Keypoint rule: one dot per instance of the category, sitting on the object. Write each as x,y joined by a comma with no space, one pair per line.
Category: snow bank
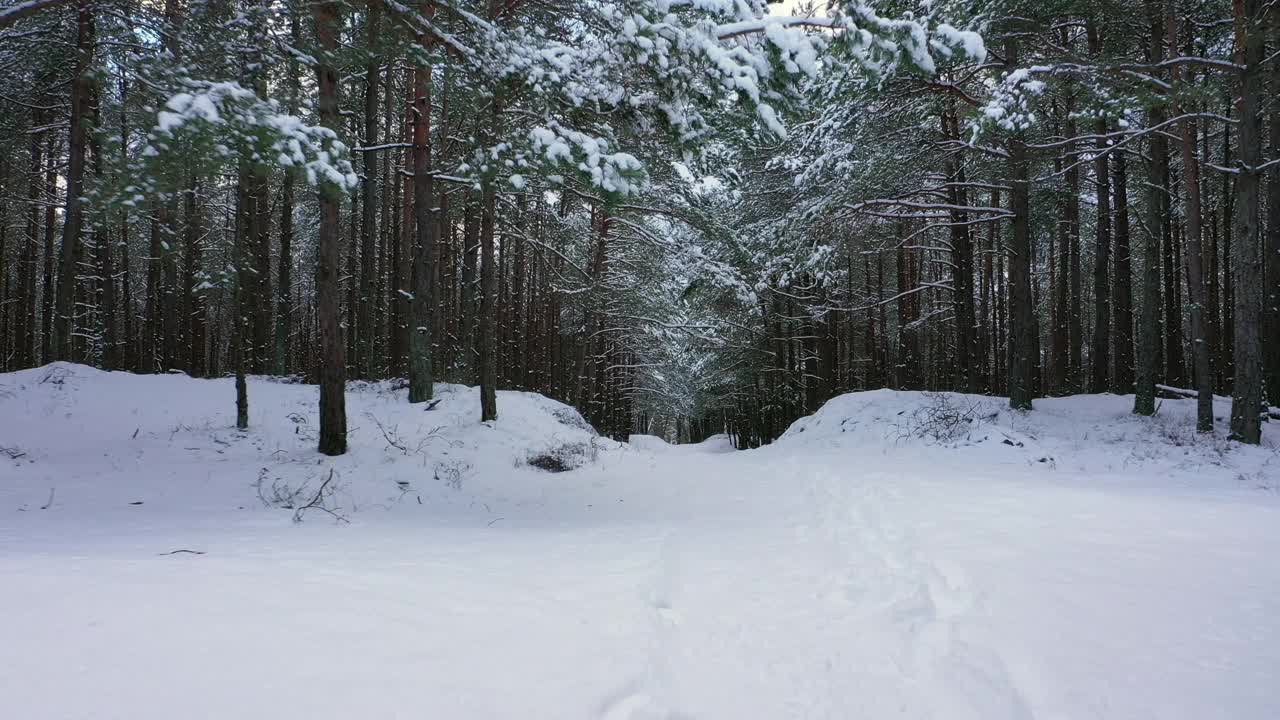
651,443
654,444
113,437
1087,433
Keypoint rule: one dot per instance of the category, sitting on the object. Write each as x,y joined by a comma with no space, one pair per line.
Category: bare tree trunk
240,304
1122,377
6,326
151,328
1057,379
966,373
260,238
1023,333
64,321
420,336
26,330
1075,314
283,345
1100,347
333,363
1271,294
105,262
1246,392
1148,349
1194,253
488,292
518,304
1171,328
1226,348
403,254
368,203
193,310
467,291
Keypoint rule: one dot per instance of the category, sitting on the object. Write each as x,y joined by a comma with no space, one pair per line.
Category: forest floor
894,555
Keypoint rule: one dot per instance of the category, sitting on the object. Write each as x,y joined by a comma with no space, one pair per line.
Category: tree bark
1194,253
420,336
1122,376
26,330
64,311
966,371
368,203
1148,349
50,277
1271,292
1100,347
194,310
333,362
283,344
1246,392
1023,340
488,292
1075,314
240,298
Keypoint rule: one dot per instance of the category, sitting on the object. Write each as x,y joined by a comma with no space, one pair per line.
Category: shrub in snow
301,497
944,418
564,457
571,417
452,472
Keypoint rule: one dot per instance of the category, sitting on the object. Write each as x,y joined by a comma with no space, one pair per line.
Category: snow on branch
11,15
224,121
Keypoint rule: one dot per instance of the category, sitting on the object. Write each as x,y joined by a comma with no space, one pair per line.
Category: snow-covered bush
564,457
944,418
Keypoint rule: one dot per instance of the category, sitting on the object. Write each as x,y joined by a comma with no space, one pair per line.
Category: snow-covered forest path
811,580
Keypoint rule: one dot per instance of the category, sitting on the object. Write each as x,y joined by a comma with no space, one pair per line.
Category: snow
1107,566
226,109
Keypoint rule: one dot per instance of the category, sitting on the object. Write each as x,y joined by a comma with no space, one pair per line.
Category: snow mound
907,418
1087,433
653,444
650,443
112,438
715,444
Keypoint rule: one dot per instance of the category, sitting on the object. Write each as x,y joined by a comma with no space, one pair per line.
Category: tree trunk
966,372
282,345
151,305
333,362
194,311
1100,347
64,311
1148,349
1226,352
1075,322
240,298
467,293
260,237
420,336
1246,392
1122,377
1194,253
518,304
1271,267
368,204
488,292
1058,377
1174,361
1023,341
26,330
50,278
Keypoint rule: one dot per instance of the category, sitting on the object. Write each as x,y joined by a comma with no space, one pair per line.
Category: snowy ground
1074,563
